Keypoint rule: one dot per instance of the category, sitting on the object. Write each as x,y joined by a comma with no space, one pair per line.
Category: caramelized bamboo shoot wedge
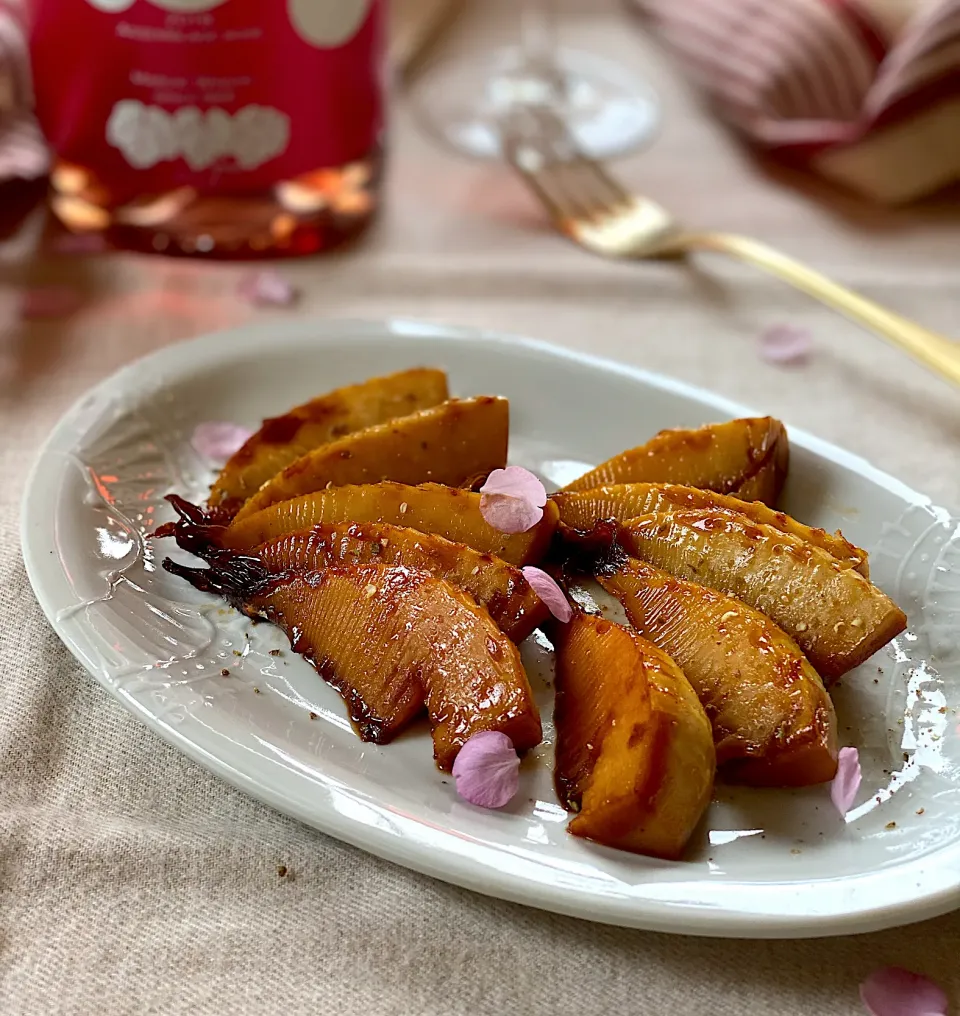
621,501
747,458
430,508
773,722
837,617
281,440
494,584
393,641
635,755
450,443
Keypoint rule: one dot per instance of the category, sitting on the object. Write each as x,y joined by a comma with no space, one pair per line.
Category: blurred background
250,130
195,165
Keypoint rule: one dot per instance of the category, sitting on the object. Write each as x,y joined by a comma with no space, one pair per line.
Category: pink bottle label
221,95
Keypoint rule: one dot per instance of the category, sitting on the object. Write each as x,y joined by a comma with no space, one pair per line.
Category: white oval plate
766,863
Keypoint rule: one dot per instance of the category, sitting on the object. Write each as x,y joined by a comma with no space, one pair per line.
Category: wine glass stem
540,79
538,29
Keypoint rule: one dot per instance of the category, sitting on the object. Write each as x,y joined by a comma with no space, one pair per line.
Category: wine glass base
609,110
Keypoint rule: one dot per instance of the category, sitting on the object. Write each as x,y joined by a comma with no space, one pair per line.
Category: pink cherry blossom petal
267,288
487,770
512,499
893,991
218,441
785,344
509,514
548,591
48,302
843,790
518,482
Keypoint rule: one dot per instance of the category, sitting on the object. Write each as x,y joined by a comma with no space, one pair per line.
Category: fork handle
934,351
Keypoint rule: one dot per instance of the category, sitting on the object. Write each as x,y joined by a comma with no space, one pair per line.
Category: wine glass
608,109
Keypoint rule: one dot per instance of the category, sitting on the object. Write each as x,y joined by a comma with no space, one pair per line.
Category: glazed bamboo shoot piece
773,722
393,642
450,512
450,444
837,617
583,508
282,439
635,757
747,458
500,587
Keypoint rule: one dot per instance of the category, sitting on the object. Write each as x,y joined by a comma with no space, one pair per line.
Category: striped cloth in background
865,92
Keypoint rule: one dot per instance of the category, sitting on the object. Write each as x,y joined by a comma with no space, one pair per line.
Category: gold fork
593,209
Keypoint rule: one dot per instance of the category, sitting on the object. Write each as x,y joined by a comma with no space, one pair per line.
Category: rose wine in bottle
212,128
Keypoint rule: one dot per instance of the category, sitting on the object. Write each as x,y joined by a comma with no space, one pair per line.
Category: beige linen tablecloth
132,881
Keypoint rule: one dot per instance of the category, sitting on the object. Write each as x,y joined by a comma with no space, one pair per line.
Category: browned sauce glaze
281,429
